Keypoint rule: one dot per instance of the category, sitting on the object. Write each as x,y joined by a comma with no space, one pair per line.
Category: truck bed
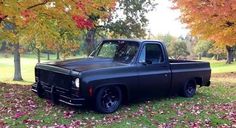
183,70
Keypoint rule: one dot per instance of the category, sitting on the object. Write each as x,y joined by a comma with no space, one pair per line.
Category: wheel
108,99
39,91
189,89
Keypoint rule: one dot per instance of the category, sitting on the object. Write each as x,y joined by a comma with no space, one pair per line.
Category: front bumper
60,96
208,83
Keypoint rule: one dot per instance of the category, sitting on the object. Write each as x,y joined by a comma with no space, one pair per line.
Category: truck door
154,70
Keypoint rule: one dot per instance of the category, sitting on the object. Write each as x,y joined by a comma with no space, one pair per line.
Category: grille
56,79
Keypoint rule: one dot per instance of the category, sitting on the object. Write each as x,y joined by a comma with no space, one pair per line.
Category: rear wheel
189,89
108,99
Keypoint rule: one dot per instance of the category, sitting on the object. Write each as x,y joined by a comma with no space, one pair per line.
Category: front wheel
108,99
189,89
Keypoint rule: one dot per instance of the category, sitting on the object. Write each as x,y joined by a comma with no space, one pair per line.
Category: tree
128,20
167,38
217,50
202,47
177,49
1,42
212,20
15,15
59,38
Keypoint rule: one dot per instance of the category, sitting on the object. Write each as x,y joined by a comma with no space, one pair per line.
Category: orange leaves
27,15
100,9
80,5
26,11
82,22
53,24
210,19
2,16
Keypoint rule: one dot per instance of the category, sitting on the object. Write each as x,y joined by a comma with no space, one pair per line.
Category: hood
85,64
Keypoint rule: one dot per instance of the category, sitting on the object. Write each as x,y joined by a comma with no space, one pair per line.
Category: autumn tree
127,20
218,51
15,15
211,19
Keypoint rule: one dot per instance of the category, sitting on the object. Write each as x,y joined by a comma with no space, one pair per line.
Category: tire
189,89
108,99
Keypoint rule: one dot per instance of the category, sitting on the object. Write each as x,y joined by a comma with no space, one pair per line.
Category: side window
151,54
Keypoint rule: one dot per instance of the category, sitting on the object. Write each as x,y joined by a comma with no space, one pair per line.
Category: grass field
213,106
29,61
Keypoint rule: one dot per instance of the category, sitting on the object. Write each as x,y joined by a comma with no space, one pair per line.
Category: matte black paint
136,79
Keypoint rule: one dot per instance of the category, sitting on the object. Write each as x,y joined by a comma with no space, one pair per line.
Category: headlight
77,82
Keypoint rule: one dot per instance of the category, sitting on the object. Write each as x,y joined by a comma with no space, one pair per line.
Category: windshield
120,51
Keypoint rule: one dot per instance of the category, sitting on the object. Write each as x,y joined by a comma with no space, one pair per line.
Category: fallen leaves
212,107
31,122
2,123
19,114
68,114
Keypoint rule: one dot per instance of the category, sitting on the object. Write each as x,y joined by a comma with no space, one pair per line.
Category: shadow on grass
200,97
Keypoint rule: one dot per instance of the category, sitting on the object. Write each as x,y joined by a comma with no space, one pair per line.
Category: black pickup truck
118,71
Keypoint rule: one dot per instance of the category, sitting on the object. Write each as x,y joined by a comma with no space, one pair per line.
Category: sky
164,20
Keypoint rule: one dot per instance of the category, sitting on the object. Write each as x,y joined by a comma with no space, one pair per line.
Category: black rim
110,98
191,88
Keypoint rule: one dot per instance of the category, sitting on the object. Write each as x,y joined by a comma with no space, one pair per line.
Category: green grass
210,107
222,67
28,62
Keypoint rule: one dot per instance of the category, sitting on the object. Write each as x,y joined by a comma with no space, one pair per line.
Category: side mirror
148,61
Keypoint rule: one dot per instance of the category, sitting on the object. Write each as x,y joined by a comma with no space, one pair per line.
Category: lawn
221,67
28,62
213,106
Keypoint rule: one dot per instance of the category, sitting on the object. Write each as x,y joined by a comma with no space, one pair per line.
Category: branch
39,4
2,18
30,7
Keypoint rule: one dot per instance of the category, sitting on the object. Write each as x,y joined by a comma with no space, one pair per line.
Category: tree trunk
38,55
230,52
48,55
3,46
199,56
217,57
90,41
233,55
58,55
17,66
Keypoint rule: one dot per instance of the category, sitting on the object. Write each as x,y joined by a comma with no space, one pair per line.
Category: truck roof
135,40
